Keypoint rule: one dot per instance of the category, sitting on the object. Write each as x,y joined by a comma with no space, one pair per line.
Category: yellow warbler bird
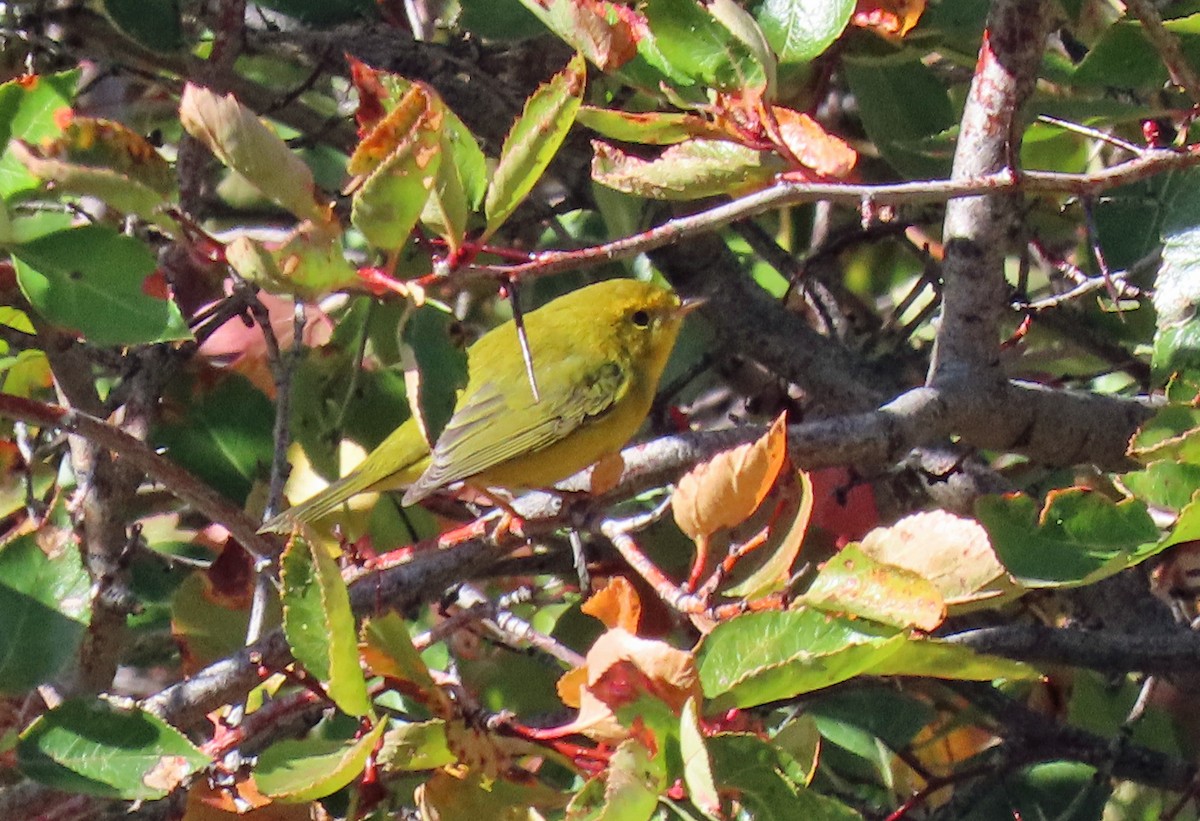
598,353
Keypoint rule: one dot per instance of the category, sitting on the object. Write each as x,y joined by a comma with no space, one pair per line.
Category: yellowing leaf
242,142
727,489
620,669
687,171
533,141
854,583
952,552
401,159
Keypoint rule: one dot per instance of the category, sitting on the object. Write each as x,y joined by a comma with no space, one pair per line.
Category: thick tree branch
1108,651
141,456
978,230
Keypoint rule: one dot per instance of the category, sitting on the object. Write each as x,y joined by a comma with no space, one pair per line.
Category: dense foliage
911,529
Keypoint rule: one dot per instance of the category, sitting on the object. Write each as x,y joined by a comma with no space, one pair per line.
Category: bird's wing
474,439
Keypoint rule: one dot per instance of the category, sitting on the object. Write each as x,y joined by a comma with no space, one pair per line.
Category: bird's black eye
640,318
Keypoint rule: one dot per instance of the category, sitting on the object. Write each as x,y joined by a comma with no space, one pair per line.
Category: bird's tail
395,464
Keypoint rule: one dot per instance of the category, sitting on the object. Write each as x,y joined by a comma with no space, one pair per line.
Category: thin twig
785,193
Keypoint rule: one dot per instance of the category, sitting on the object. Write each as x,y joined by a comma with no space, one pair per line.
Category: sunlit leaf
1080,536
533,141
692,169
45,609
853,583
319,624
29,111
98,282
400,159
96,748
307,769
952,552
723,491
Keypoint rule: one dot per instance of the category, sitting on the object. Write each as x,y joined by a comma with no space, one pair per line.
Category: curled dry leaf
952,552
622,668
616,604
724,491
812,145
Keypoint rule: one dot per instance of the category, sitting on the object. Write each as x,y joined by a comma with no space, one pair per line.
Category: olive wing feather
474,439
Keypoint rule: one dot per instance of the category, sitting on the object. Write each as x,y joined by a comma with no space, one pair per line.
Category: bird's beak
690,304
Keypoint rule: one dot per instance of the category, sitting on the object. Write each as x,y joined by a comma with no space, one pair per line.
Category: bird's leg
510,521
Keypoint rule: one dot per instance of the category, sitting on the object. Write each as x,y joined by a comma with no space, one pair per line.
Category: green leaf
389,651
690,170
533,140
96,748
853,583
769,784
1168,434
884,713
310,264
1124,59
595,30
319,624
114,188
748,33
633,782
220,432
300,770
446,210
209,629
435,368
44,610
1080,537
410,746
929,658
697,767
1059,790
1166,484
401,158
241,141
801,30
100,283
154,24
695,43
760,657
1187,526
902,105
27,109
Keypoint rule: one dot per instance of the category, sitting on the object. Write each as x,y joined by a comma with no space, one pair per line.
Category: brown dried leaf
812,145
724,491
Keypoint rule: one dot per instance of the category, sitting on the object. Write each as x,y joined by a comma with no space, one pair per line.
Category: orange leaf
570,686
812,145
389,132
727,489
616,604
